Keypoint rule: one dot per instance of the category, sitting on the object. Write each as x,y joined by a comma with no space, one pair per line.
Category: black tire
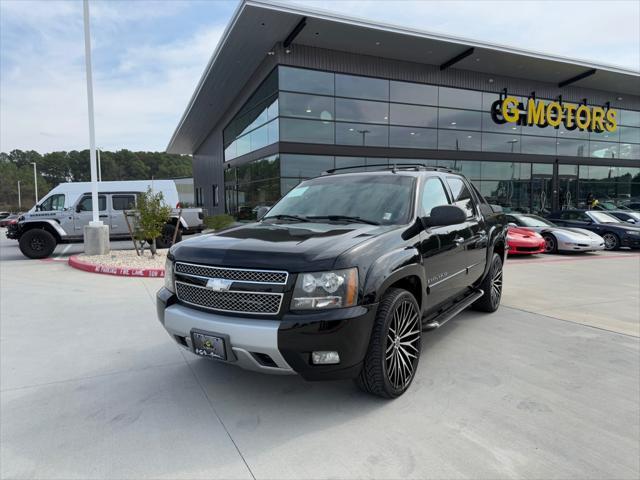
611,241
386,374
37,243
550,243
492,287
166,239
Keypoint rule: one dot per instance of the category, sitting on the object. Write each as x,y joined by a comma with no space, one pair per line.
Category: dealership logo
508,109
219,284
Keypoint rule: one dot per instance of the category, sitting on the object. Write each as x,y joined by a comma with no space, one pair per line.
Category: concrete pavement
92,387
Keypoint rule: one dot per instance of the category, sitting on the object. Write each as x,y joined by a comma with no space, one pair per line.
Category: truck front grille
273,277
257,303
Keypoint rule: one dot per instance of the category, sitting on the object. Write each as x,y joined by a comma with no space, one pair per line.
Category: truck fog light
325,358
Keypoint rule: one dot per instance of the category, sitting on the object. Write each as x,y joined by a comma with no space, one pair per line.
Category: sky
148,55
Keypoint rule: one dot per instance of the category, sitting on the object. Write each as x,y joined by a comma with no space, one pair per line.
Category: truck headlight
168,276
334,289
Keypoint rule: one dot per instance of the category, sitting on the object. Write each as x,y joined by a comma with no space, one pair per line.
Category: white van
61,215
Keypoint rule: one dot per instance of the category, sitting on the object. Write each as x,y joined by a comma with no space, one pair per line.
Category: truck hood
297,247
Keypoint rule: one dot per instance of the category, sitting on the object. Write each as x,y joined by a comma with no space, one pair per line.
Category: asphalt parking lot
547,387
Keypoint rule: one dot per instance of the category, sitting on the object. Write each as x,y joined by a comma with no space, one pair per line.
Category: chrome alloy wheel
403,345
496,283
610,241
549,244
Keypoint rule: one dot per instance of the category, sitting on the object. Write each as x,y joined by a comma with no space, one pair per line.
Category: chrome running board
452,311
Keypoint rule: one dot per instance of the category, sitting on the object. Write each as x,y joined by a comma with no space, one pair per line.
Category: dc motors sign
554,114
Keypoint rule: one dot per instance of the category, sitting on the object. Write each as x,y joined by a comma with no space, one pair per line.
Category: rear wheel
491,286
166,239
394,349
550,243
37,243
611,241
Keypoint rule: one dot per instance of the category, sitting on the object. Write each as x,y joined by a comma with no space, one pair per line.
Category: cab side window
461,195
54,202
86,205
123,202
433,195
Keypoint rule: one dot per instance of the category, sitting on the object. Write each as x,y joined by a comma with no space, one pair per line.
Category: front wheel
550,243
492,287
394,349
611,241
37,243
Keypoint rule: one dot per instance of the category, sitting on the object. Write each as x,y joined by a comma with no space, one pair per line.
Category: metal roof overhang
258,25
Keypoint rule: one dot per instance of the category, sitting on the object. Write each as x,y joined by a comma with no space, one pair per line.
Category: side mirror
38,207
444,215
78,208
631,220
496,208
262,211
511,224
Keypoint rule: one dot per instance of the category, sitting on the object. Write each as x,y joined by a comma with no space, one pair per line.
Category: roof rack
398,166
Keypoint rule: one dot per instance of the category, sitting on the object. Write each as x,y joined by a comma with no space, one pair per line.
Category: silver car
558,239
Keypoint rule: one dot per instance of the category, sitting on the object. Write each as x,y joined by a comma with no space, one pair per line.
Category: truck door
83,212
441,254
474,238
119,203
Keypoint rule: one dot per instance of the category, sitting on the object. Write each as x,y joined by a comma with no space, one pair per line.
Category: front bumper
632,241
581,246
278,346
13,231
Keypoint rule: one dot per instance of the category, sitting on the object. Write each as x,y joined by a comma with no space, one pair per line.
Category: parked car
4,215
633,206
614,232
9,220
334,282
524,242
628,216
62,214
609,206
558,239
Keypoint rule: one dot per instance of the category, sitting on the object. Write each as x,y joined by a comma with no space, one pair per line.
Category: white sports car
558,238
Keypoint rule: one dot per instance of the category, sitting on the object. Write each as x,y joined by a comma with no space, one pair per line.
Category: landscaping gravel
127,258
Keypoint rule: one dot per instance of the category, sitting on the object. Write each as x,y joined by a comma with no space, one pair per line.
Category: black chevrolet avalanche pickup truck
340,278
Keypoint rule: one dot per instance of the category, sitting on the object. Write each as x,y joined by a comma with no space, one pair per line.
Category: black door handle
104,216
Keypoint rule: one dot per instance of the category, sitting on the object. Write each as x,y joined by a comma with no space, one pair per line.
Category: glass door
541,188
567,187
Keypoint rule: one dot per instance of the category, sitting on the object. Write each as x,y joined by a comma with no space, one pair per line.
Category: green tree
153,215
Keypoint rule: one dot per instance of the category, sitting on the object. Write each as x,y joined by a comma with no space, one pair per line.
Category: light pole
19,197
96,234
99,167
35,179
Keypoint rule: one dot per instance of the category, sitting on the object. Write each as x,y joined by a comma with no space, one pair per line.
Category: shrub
153,214
218,222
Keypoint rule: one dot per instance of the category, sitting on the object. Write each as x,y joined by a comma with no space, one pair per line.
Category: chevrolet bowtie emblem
219,284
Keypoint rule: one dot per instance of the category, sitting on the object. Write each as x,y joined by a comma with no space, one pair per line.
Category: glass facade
516,186
316,107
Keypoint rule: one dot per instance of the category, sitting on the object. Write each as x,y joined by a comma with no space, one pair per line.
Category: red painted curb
75,262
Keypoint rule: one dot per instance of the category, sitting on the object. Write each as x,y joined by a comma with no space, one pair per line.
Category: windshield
602,217
380,199
533,221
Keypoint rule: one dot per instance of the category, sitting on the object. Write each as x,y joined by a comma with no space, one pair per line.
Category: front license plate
208,345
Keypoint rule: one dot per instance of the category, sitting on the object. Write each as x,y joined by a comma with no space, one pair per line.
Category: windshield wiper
346,218
297,218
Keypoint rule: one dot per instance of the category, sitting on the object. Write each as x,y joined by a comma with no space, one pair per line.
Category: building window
413,93
362,134
309,81
362,87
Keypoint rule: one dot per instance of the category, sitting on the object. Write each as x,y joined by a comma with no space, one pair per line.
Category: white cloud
138,99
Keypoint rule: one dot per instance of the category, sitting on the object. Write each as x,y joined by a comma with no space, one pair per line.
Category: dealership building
291,93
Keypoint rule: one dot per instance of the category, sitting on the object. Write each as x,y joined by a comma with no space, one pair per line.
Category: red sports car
524,242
